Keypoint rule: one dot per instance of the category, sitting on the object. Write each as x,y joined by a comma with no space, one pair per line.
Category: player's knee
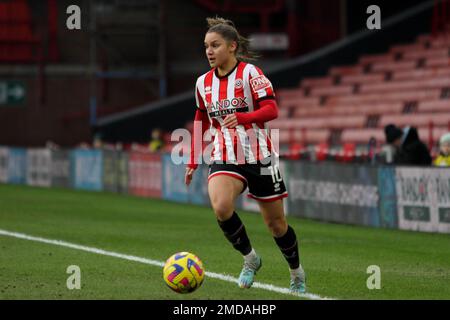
223,209
277,226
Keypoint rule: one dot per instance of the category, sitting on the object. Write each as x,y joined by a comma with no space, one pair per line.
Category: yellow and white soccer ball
183,272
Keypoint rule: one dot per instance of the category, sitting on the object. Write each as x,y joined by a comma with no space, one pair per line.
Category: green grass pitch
335,257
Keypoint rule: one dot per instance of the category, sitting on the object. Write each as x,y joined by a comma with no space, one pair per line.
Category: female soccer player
235,100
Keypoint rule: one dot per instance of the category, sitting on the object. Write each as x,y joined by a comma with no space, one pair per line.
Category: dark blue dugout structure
407,198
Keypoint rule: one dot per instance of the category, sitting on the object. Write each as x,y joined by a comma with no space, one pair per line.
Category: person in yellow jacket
156,144
443,160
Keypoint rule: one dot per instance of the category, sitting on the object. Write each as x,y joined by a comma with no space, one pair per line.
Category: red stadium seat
346,70
393,66
424,133
4,14
362,109
435,41
426,54
19,33
303,136
17,41
421,74
401,96
434,106
322,151
362,136
296,150
439,42
385,57
376,91
21,11
314,111
363,78
432,83
438,62
348,152
417,120
16,11
395,107
283,113
402,48
317,82
283,94
355,121
298,102
333,90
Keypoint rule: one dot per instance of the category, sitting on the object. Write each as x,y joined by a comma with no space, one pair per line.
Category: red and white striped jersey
240,90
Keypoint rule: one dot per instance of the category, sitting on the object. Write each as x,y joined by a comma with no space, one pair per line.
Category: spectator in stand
443,160
156,144
409,149
119,146
51,145
83,145
97,142
372,146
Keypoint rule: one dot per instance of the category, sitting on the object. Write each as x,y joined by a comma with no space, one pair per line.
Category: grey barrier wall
334,192
4,164
115,171
122,168
60,168
38,168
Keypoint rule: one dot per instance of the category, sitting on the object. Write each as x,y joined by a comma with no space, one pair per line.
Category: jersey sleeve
198,97
260,85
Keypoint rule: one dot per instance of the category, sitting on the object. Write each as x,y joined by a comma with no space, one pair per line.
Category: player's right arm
201,124
201,119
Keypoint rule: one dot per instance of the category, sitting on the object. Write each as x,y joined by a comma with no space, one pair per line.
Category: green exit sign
12,93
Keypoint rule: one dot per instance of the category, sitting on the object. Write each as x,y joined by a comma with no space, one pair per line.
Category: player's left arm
263,95
267,111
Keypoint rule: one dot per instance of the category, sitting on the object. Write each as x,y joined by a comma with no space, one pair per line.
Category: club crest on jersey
260,82
238,84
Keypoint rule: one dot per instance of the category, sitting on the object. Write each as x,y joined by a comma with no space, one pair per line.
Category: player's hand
230,121
188,176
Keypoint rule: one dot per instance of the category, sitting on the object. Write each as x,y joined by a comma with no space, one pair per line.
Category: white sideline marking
157,263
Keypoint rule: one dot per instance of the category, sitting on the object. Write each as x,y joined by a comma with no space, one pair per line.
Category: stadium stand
408,85
18,43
